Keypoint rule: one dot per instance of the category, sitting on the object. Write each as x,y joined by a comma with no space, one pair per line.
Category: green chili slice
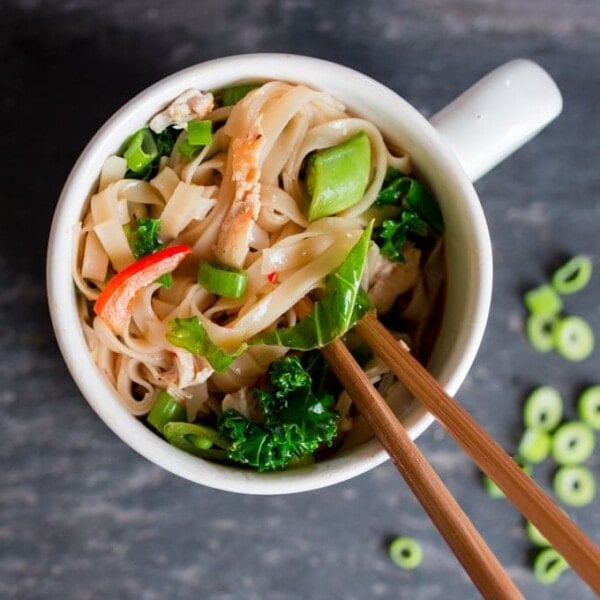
543,408
574,486
165,410
573,276
573,338
573,443
197,440
222,280
405,552
549,565
588,406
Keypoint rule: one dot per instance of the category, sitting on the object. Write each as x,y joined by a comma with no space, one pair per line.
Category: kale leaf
419,214
297,421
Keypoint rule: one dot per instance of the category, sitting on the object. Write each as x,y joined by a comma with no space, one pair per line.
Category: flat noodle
240,200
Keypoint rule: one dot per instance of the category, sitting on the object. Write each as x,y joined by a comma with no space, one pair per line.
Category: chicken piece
187,370
388,280
192,104
245,402
237,229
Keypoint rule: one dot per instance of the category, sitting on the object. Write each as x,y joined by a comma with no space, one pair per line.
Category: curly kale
297,420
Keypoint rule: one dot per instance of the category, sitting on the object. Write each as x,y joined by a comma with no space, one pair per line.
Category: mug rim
97,390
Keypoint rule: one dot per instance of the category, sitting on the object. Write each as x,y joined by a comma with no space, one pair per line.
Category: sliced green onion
573,443
549,565
543,300
165,410
197,440
493,490
574,486
573,338
589,406
573,276
140,151
406,552
199,133
535,445
232,95
222,280
186,149
543,408
540,332
534,535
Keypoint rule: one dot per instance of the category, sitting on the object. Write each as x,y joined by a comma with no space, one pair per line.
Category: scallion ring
572,276
543,300
549,565
165,410
141,151
493,490
534,446
534,535
574,486
540,332
406,552
199,133
573,338
573,443
222,280
588,406
543,408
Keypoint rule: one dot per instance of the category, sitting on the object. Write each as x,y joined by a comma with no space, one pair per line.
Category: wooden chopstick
460,534
570,541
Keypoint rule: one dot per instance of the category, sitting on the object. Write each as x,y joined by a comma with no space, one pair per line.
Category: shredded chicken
238,227
388,280
192,104
188,370
244,402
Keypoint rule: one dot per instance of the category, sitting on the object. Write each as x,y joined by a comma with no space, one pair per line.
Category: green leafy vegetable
160,144
344,303
297,421
191,335
419,214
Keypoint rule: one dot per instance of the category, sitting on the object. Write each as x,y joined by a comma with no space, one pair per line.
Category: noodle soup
206,231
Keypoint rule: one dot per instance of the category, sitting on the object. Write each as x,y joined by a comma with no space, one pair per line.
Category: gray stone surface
81,515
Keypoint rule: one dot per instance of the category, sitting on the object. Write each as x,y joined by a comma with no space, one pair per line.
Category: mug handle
498,114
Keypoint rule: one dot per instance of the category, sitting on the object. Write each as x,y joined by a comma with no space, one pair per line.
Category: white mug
458,145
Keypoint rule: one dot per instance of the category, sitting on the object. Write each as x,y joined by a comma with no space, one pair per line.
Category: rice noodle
241,200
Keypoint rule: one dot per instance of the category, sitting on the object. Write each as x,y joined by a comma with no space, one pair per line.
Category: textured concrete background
81,515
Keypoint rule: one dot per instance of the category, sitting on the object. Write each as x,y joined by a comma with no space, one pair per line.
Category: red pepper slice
272,277
113,305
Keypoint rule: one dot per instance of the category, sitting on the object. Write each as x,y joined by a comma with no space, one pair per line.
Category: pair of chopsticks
477,559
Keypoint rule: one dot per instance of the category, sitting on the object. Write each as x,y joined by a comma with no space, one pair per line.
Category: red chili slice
113,305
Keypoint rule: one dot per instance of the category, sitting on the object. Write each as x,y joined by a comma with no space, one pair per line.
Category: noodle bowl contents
207,229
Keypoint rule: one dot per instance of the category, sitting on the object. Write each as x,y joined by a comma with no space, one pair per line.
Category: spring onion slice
540,332
534,445
222,280
574,485
543,300
141,150
543,408
573,443
232,95
573,338
534,535
165,410
197,440
199,133
493,490
588,406
549,565
573,276
406,552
